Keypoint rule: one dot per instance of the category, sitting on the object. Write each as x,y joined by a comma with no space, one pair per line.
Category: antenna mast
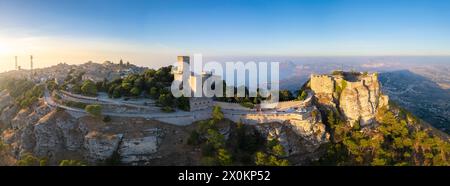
15,57
31,62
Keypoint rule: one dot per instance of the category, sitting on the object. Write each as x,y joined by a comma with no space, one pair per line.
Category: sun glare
3,49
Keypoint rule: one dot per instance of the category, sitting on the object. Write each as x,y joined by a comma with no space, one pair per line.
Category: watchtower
15,60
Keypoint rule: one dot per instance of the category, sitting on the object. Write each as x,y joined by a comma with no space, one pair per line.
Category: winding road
176,118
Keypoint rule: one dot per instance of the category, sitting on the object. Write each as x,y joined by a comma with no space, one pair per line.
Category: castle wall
258,118
200,103
231,106
322,84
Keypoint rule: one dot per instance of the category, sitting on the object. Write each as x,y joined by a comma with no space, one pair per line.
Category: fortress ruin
357,94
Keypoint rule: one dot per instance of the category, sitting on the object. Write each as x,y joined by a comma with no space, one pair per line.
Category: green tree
135,91
224,157
285,95
194,138
166,100
217,114
302,95
262,159
95,110
215,138
126,86
76,89
89,88
278,150
183,103
154,92
117,92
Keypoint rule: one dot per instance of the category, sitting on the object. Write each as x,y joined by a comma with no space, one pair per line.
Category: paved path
196,115
49,101
105,100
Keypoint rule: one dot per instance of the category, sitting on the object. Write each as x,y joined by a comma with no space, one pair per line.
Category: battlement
325,83
322,83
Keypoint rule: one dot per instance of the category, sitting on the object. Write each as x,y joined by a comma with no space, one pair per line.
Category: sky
153,33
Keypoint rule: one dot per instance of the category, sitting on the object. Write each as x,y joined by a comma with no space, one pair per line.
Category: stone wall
322,84
231,106
200,103
258,118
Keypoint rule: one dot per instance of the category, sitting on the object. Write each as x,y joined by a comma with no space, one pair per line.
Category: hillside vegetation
398,139
23,91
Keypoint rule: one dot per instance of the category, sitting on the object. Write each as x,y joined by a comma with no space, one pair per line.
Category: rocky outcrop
360,101
140,149
297,136
357,96
100,147
57,135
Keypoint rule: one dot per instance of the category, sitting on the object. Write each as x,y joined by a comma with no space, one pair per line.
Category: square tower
182,61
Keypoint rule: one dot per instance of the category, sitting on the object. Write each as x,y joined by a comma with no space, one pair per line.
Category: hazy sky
152,33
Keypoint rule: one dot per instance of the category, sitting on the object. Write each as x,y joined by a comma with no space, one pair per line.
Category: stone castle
357,95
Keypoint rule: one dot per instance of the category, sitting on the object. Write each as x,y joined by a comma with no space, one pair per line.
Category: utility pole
15,67
31,63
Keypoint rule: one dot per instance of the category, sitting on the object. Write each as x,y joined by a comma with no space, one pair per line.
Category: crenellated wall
322,84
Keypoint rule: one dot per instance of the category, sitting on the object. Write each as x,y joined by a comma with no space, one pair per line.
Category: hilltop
342,118
87,71
367,129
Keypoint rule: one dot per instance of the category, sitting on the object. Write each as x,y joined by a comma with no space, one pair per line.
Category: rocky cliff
357,96
57,135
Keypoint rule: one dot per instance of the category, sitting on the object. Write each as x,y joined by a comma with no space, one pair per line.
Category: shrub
95,110
314,113
217,113
76,89
107,119
71,163
167,109
194,138
285,95
224,157
208,150
183,103
135,91
209,161
302,96
248,105
28,160
75,104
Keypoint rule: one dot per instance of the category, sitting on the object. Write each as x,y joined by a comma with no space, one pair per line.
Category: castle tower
178,71
182,60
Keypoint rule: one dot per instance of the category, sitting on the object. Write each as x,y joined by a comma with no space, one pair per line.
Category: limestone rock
138,149
358,96
100,146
